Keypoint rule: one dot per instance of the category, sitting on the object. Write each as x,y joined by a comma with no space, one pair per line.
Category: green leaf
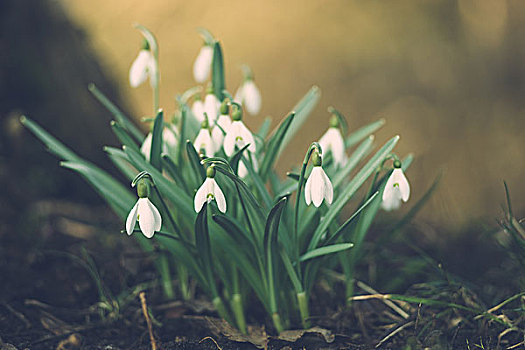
217,66
363,132
53,145
328,249
350,189
302,110
271,245
354,159
274,144
291,271
123,136
120,160
118,197
173,170
202,242
265,128
157,141
124,121
195,162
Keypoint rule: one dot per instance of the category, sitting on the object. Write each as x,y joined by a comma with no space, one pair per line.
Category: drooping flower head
197,109
248,94
145,212
209,191
203,142
318,186
143,67
396,189
333,141
238,134
211,106
222,125
202,65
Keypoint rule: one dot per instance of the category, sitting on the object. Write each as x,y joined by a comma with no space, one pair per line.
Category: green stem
165,275
183,281
238,312
221,309
303,309
277,322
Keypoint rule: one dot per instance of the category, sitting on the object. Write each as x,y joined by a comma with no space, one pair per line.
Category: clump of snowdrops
206,190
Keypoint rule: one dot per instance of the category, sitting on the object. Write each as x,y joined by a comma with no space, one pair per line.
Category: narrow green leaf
274,144
173,170
271,245
217,79
120,160
302,110
123,136
157,141
350,189
354,159
328,249
363,132
291,271
202,242
124,121
265,128
53,145
195,162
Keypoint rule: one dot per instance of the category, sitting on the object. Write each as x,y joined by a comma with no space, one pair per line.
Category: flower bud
210,172
397,164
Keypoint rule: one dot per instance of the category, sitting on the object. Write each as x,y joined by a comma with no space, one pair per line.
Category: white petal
203,140
211,107
239,95
202,65
156,216
198,110
252,97
219,198
230,138
169,135
152,71
217,137
132,219
145,149
247,137
328,188
317,187
332,141
307,190
146,217
138,73
389,187
224,121
404,187
201,196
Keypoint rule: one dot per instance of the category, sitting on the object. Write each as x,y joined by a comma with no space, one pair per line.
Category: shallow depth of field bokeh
448,76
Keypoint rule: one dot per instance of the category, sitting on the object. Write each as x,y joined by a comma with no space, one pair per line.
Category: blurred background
448,76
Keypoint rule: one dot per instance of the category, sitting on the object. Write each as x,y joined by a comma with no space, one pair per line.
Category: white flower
238,135
318,187
332,140
148,216
223,122
169,137
143,66
249,96
204,141
208,192
243,171
202,65
396,190
211,107
198,110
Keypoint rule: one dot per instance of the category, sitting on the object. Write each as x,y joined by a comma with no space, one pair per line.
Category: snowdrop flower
396,190
318,186
145,212
333,141
223,123
203,141
143,67
202,65
169,136
209,191
238,134
211,106
198,109
248,94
